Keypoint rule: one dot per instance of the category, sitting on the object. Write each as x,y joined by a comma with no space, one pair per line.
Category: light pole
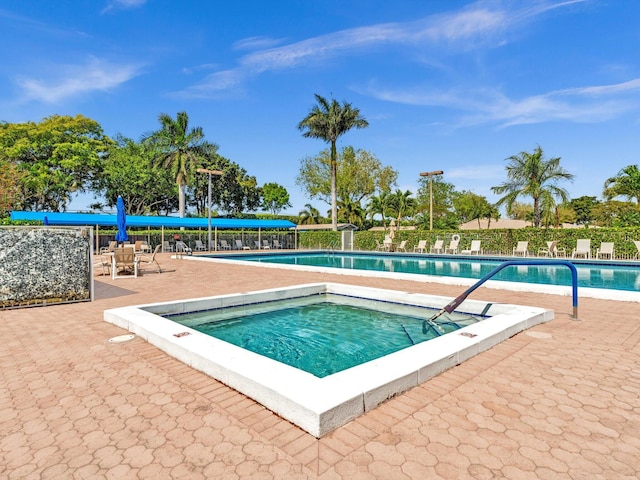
210,172
430,175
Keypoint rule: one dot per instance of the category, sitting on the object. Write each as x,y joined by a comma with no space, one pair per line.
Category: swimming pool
319,405
326,333
595,278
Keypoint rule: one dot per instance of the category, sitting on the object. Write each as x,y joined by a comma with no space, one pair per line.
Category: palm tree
402,204
309,216
179,149
379,205
328,121
626,183
350,211
529,174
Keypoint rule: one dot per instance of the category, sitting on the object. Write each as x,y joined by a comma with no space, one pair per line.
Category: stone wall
45,265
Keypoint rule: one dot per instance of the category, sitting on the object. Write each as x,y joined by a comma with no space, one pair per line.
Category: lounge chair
166,246
475,249
265,245
421,247
437,247
453,246
150,259
240,246
605,250
200,247
583,248
182,248
402,246
224,245
257,244
637,244
521,249
277,244
124,261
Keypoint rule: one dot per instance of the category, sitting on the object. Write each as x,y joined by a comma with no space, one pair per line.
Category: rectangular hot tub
319,405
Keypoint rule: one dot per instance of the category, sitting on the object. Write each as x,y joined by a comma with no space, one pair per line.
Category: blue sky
451,85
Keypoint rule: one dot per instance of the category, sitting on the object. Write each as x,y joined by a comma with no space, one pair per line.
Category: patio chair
583,248
182,248
265,245
437,247
475,249
637,244
124,262
421,247
103,260
257,244
453,246
224,245
550,251
402,246
521,249
605,250
150,259
240,245
387,244
379,246
110,248
277,244
166,246
200,247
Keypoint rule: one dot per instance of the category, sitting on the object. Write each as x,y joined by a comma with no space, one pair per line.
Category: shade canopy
85,219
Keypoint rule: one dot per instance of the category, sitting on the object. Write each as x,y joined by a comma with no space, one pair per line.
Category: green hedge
493,241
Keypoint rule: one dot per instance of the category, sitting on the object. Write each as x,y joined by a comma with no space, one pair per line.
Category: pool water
323,334
602,275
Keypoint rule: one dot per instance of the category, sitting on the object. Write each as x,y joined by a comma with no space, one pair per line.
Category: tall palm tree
402,204
379,205
328,121
626,183
179,148
529,174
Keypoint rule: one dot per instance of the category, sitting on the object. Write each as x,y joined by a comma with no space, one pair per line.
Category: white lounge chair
265,245
402,246
437,247
475,249
453,246
241,246
583,248
166,246
521,249
182,248
637,244
200,246
421,247
605,250
277,244
224,245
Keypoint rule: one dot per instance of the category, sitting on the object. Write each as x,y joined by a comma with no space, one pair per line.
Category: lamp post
430,175
209,172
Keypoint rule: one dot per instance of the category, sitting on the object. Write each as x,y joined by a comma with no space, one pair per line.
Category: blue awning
90,219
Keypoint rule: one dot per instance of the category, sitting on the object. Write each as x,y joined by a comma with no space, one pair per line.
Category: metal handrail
451,306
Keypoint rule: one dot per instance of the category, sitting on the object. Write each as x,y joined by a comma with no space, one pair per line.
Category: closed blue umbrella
121,221
46,221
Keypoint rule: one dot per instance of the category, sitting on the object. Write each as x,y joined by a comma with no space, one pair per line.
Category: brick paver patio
560,401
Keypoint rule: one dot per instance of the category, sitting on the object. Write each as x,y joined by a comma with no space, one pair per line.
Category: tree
178,148
9,187
130,171
379,204
57,157
274,197
444,216
359,175
328,121
583,208
613,213
471,206
233,192
529,174
626,183
402,204
309,216
350,211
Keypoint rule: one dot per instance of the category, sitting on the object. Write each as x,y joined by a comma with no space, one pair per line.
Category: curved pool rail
451,306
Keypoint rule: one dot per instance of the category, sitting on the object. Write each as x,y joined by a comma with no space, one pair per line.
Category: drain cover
122,338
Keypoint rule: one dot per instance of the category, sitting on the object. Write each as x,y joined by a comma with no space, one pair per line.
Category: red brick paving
565,405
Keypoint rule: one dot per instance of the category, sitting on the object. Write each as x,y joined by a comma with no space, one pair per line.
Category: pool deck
560,401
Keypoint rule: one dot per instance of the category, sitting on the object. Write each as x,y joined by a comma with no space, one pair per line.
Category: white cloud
123,5
96,75
474,25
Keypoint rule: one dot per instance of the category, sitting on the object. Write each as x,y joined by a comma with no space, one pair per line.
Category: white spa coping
320,405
